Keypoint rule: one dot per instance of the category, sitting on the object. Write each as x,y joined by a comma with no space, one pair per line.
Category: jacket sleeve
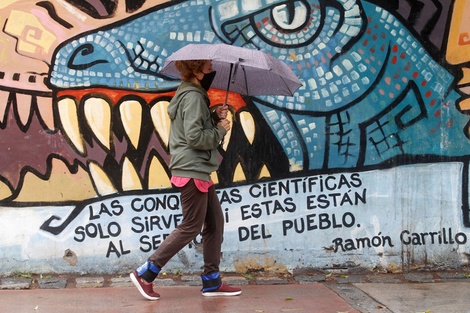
199,131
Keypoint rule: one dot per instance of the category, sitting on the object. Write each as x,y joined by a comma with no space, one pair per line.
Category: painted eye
290,16
292,24
288,24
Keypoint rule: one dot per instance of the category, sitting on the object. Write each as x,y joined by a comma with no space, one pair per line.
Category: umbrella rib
246,81
228,84
287,87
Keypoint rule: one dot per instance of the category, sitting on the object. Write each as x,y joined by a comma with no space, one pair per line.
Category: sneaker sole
142,292
221,294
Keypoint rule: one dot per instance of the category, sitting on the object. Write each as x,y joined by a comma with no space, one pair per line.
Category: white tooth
465,90
229,133
67,109
239,175
264,172
45,111
158,178
131,116
102,183
5,191
61,185
4,95
248,125
215,178
161,121
130,178
98,115
23,107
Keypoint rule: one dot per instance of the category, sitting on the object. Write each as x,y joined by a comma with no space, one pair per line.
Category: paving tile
16,283
52,283
89,282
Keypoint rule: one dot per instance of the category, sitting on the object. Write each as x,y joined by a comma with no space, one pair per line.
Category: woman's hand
222,111
225,123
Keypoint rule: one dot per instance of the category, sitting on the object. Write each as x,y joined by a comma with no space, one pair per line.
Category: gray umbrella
244,71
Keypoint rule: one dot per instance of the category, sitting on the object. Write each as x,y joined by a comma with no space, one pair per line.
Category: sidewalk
340,292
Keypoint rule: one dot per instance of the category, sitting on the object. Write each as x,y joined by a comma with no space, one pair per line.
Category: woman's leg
212,234
194,208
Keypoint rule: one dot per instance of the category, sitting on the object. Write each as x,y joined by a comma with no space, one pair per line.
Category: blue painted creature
371,93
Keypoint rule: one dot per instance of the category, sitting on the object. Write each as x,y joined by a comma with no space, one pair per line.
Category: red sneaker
145,288
224,290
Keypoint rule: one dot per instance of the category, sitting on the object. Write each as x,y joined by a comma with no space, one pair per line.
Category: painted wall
367,164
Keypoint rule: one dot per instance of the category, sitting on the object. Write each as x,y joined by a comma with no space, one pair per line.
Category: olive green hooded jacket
194,137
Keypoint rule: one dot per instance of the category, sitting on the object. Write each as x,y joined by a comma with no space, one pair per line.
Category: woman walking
195,134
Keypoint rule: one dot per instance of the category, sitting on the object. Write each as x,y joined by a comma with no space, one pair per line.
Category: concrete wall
366,165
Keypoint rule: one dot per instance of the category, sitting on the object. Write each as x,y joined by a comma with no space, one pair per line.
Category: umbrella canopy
244,71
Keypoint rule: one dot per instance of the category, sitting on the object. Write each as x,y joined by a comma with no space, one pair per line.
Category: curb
298,277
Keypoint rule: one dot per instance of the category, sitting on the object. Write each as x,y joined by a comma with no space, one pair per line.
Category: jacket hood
180,92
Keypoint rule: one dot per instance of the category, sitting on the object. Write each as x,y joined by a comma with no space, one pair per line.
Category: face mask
206,80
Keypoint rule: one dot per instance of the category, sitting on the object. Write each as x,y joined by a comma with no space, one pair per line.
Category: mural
367,164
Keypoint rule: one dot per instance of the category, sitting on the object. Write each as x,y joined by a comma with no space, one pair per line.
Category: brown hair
188,67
